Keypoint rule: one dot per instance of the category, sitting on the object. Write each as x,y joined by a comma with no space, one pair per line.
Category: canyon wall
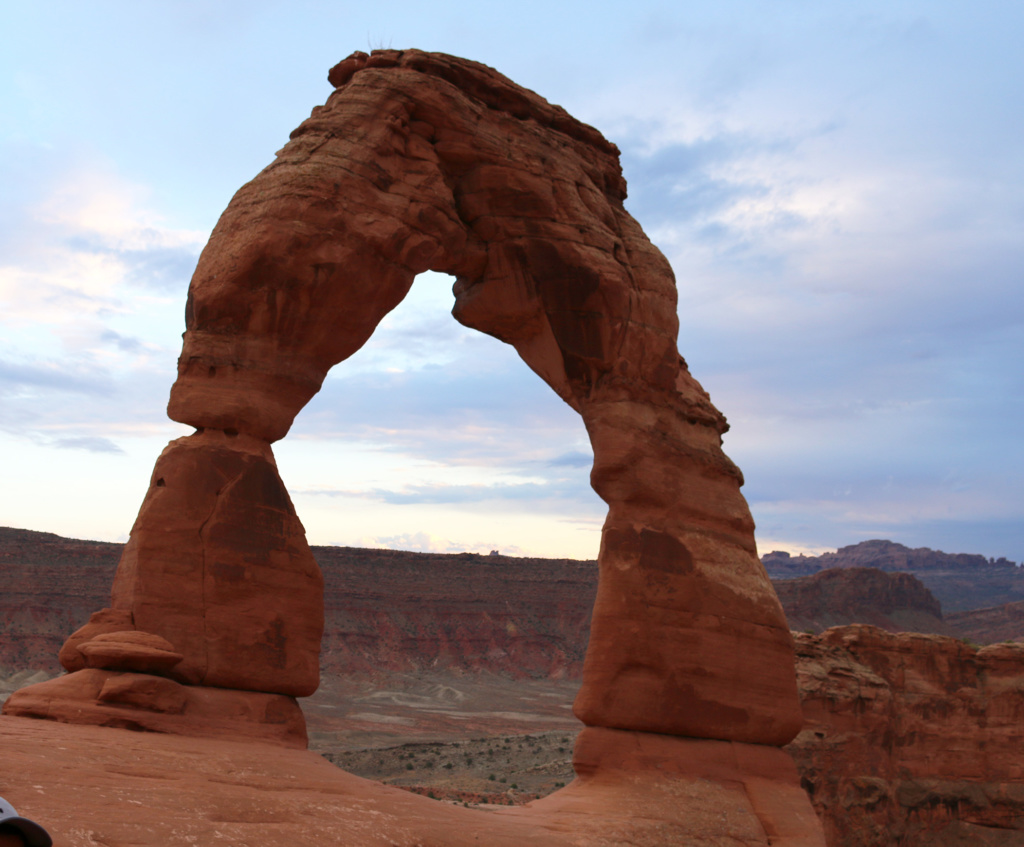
390,610
50,586
394,610
385,610
990,625
912,740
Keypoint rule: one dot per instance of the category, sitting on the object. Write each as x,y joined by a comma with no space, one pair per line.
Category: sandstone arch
419,162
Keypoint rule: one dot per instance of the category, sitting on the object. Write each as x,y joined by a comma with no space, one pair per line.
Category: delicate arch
422,161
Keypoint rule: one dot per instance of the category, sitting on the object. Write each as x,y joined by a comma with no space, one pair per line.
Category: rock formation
897,602
518,617
422,162
912,740
395,610
987,626
959,581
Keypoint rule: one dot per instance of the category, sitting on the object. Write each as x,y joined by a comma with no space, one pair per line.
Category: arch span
419,162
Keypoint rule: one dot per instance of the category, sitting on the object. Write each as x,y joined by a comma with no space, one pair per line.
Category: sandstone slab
152,790
155,705
100,623
132,650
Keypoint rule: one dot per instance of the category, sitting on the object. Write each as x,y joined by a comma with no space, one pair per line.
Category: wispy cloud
573,459
86,249
529,492
88,278
16,377
91,443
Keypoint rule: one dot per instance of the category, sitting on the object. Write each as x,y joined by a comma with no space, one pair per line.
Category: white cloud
91,329
80,253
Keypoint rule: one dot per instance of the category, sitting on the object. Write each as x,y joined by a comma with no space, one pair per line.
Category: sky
839,188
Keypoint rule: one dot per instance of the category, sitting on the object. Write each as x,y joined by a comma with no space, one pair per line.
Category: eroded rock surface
154,790
985,626
912,740
218,564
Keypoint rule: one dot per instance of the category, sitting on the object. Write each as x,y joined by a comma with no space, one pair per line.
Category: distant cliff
959,581
49,586
385,610
393,610
896,602
987,626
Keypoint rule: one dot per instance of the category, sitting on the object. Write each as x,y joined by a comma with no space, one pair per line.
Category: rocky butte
960,581
416,162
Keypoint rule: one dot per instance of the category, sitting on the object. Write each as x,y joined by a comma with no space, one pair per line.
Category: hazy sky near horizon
839,189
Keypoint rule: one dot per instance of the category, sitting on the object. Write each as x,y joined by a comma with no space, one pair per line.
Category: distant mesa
881,554
896,602
960,581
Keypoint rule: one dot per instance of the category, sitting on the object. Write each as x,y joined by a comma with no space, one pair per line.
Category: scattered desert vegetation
503,770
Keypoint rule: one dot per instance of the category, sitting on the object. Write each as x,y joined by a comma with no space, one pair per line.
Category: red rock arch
422,162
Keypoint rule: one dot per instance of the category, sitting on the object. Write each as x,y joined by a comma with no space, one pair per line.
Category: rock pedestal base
157,704
725,792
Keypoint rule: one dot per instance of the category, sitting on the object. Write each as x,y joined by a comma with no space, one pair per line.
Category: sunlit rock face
421,162
425,162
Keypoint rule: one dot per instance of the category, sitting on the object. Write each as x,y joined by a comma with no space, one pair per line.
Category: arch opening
436,438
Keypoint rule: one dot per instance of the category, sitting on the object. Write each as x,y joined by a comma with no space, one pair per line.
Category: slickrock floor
99,786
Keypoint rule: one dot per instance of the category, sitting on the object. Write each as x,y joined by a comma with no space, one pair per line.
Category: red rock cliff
897,602
912,740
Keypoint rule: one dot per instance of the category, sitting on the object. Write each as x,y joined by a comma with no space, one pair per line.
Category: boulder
100,623
132,650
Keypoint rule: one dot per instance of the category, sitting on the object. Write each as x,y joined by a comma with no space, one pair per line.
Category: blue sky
839,188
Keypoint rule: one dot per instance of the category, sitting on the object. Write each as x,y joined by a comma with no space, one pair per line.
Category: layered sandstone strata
912,740
897,602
